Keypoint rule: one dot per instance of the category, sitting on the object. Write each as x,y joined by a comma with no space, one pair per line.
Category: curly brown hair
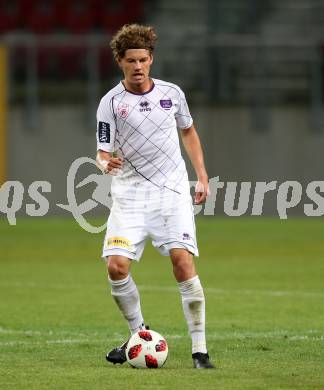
133,36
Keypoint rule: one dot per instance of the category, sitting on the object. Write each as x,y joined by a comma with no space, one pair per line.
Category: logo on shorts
166,104
186,236
122,110
120,242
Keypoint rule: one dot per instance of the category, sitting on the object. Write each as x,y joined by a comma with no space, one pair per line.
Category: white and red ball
147,349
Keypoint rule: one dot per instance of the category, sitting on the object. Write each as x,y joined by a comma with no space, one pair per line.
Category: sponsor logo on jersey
123,110
144,106
166,103
120,242
104,132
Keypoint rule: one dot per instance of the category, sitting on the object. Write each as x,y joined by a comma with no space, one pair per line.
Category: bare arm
194,151
107,163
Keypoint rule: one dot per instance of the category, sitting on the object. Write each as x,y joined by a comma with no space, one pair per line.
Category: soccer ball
147,349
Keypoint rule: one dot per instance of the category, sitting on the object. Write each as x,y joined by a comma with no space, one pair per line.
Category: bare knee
183,265
118,267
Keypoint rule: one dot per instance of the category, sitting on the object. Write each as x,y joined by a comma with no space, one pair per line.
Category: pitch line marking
172,289
274,293
310,335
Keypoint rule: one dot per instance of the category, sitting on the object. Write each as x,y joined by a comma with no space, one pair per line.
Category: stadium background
252,72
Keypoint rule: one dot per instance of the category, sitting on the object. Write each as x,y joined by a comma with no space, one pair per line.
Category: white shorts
167,220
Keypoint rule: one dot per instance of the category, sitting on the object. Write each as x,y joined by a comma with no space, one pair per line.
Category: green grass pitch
264,286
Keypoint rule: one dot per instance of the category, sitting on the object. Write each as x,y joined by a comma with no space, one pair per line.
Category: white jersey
142,128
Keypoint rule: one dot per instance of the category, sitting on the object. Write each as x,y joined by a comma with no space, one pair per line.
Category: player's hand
201,191
113,165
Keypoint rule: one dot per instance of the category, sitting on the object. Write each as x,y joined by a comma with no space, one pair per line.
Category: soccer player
137,142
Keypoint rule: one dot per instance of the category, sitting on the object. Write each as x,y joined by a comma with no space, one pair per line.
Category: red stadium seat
77,16
48,62
67,62
115,13
10,15
73,62
105,62
40,15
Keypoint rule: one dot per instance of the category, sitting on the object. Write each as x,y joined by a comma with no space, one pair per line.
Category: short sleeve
106,126
182,116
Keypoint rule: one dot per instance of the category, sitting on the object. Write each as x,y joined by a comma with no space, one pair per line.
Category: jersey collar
138,93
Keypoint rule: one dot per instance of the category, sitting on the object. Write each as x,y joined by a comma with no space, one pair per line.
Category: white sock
127,298
193,302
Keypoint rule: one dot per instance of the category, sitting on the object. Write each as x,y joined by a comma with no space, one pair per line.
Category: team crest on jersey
166,103
122,110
